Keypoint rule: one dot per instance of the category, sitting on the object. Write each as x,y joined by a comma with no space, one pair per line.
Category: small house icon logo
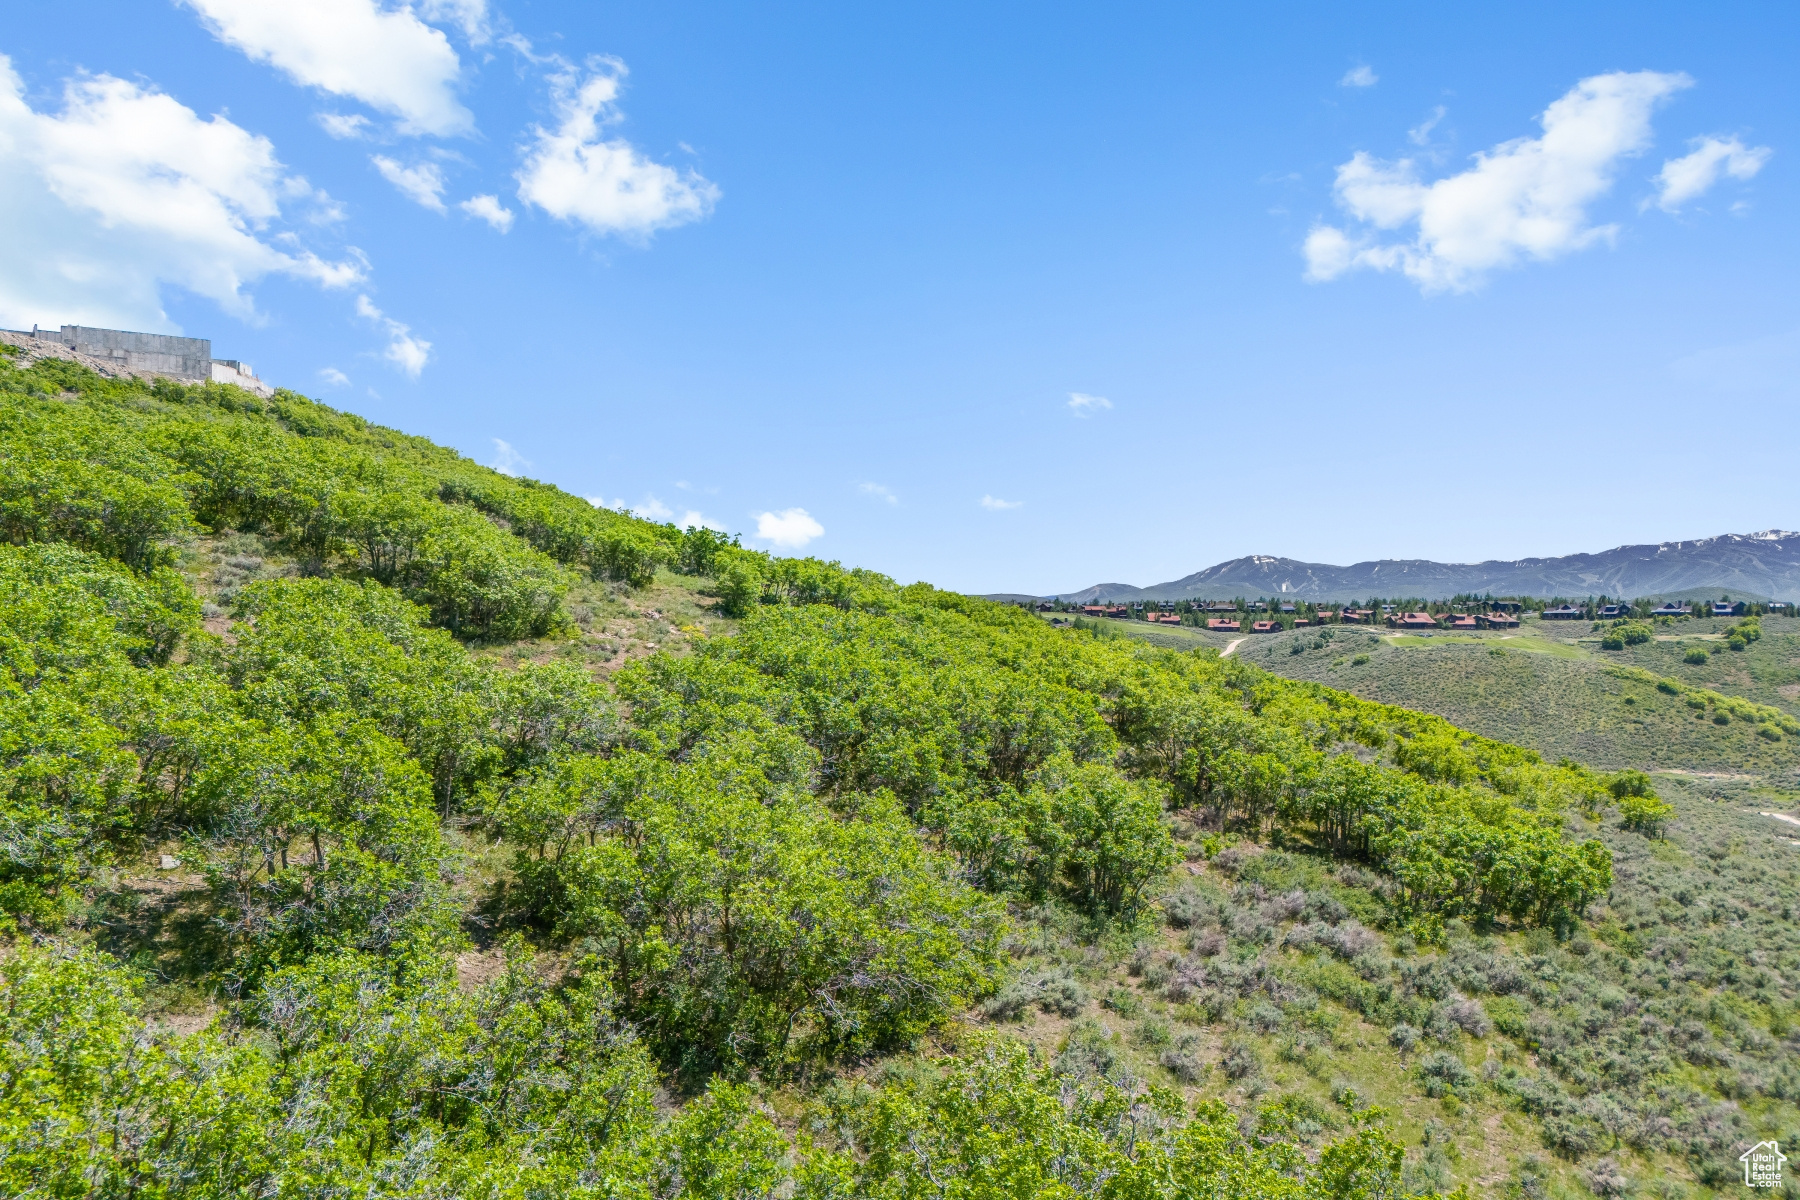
1762,1165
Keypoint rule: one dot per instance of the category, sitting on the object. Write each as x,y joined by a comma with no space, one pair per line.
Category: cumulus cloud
789,529
334,377
602,502
489,209
345,125
422,184
1359,76
1524,199
127,190
994,504
1690,176
877,491
404,350
576,173
507,460
652,509
385,57
1083,405
693,518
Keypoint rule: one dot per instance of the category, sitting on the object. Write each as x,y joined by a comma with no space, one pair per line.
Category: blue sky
1005,297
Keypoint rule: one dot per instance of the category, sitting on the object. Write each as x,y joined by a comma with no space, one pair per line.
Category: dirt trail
1233,646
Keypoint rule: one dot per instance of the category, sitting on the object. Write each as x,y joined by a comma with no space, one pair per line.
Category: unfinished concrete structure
160,353
132,353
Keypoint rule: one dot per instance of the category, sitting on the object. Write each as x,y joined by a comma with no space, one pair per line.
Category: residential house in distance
1669,609
1221,606
1497,620
1222,625
1266,627
1511,606
1614,612
1728,608
1564,612
1413,620
1358,616
1288,608
1462,621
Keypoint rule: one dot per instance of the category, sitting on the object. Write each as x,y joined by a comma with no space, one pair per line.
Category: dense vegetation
738,877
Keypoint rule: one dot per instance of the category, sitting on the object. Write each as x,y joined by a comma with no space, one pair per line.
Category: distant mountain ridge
1765,564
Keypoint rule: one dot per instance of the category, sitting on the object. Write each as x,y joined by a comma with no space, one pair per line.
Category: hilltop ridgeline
1765,564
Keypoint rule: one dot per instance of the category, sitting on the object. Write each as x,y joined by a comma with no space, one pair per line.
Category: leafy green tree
746,924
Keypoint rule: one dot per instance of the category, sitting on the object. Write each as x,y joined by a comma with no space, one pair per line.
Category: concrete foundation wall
231,371
120,352
165,354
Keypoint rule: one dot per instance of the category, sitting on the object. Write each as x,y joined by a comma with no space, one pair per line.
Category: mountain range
1747,566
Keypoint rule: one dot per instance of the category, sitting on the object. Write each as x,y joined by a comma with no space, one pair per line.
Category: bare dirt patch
476,968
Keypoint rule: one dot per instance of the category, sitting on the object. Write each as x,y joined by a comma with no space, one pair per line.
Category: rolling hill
1759,565
374,823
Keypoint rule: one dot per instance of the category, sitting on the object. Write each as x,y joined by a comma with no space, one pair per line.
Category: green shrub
1697,657
1645,813
1442,1073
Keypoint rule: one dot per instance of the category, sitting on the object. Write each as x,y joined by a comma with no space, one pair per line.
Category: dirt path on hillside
1233,646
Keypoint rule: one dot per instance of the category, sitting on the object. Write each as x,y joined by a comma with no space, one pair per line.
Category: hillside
1556,691
377,824
1757,565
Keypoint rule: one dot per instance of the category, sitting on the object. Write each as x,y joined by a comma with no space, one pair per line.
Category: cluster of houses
1491,614
1451,620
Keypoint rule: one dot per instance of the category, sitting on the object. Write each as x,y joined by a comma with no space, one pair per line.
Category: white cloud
507,460
575,173
127,190
1359,76
1524,199
993,504
470,16
877,491
1688,177
334,377
422,184
1420,134
385,57
404,350
344,126
653,509
790,529
489,209
1083,405
601,502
